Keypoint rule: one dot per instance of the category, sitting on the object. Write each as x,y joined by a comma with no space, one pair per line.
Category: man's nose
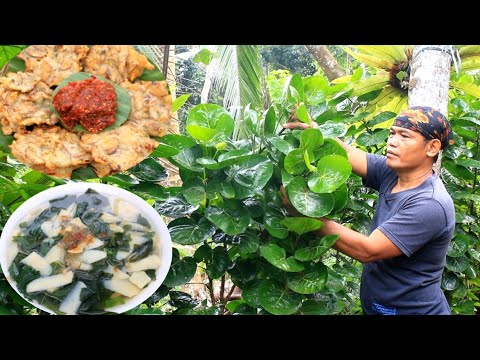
392,140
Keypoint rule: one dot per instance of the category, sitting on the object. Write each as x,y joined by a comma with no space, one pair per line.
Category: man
414,219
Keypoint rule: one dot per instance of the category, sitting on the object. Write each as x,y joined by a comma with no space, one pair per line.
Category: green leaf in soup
332,171
309,281
276,255
123,100
307,202
278,300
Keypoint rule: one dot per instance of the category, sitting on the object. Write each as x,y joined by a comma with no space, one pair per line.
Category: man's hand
287,204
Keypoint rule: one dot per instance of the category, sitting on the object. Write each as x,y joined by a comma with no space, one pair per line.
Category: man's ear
433,147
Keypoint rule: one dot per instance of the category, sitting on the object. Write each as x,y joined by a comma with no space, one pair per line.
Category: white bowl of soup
85,248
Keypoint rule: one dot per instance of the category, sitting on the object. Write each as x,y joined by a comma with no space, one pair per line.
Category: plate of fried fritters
39,139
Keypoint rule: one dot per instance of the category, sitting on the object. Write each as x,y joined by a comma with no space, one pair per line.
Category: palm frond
239,74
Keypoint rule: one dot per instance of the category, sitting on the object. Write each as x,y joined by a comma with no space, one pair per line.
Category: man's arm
358,246
357,158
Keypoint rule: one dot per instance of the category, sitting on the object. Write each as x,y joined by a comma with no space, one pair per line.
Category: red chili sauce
90,102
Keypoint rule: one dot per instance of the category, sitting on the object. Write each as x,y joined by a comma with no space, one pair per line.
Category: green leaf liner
124,103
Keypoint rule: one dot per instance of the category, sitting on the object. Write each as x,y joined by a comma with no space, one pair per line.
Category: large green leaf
294,162
187,159
194,191
124,103
8,52
220,185
341,197
316,249
330,147
333,130
253,173
307,202
250,293
186,231
335,283
179,142
249,242
277,257
211,118
457,170
312,307
181,271
175,206
232,220
332,171
270,121
459,245
450,281
316,89
218,263
301,225
310,281
467,88
283,146
277,300
377,137
149,170
275,227
178,102
311,140
458,264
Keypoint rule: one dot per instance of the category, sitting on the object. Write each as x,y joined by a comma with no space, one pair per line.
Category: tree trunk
429,80
327,62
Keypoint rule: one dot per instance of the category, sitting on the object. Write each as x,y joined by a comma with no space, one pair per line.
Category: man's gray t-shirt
421,223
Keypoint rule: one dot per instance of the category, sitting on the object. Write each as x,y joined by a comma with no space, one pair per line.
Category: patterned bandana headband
426,121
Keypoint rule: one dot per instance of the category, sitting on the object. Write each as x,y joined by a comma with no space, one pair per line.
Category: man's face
406,149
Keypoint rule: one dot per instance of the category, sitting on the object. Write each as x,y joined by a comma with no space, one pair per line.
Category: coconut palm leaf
240,75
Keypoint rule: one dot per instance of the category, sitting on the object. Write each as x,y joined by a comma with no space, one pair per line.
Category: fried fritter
24,101
117,150
116,62
51,150
151,106
53,63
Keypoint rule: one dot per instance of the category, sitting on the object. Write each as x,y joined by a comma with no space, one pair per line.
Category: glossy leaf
194,191
221,186
333,130
178,102
187,159
316,249
179,142
218,263
280,144
332,171
311,139
459,245
312,307
330,147
307,202
232,221
316,89
253,173
378,137
310,281
275,227
201,133
294,163
277,300
277,257
457,170
122,180
270,121
251,294
186,231
175,206
301,225
302,114
335,283
149,170
181,271
213,117
341,197
458,264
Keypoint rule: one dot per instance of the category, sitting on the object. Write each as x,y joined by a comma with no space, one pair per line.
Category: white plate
41,200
